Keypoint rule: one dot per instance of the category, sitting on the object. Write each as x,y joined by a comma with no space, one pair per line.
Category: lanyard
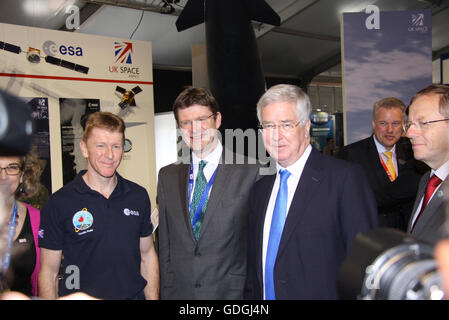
203,196
12,231
385,168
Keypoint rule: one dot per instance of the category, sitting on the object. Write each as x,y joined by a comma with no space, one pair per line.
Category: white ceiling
306,43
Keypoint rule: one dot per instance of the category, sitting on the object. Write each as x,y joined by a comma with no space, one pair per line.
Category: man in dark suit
388,161
203,234
303,219
428,130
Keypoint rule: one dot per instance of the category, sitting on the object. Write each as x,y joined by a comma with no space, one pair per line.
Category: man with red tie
428,130
388,162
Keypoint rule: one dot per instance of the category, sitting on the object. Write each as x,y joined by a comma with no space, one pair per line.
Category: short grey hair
389,103
287,93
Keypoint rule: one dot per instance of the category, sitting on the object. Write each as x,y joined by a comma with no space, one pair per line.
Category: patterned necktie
390,164
200,185
277,225
433,183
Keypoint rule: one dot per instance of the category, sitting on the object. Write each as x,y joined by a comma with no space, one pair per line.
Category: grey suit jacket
214,267
430,225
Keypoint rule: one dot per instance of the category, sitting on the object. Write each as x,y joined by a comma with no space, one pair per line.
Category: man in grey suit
203,209
428,130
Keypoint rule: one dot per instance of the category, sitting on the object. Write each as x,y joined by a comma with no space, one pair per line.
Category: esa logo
52,49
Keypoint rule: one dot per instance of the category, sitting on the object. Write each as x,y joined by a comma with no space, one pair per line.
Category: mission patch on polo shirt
98,237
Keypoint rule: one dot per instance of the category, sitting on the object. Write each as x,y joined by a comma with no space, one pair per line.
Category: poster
73,113
103,79
41,141
321,128
385,54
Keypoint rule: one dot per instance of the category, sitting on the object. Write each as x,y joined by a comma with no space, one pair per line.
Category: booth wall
107,70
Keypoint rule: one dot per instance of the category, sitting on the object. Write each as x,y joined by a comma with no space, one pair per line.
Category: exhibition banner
78,74
384,54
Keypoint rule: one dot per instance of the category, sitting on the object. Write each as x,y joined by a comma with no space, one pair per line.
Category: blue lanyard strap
12,231
203,196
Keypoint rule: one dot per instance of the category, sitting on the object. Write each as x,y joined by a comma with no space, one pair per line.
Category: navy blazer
333,202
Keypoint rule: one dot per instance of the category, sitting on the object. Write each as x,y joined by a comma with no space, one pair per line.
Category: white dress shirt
296,170
442,173
381,149
212,159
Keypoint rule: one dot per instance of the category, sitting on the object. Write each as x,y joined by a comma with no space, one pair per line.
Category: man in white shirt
203,209
428,130
303,219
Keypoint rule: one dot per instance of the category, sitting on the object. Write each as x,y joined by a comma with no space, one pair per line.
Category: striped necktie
390,164
200,186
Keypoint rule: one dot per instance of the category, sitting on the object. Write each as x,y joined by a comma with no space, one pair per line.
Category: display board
444,62
78,73
384,54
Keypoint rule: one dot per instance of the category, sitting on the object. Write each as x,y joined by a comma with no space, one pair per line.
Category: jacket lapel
264,194
421,189
433,206
218,189
373,158
183,188
311,178
400,158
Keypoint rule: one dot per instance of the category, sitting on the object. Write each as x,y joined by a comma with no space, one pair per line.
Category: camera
16,126
387,264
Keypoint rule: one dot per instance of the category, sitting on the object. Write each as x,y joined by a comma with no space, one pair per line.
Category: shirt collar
442,172
81,186
297,167
381,149
213,157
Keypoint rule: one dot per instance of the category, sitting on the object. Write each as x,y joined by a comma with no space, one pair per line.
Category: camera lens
387,264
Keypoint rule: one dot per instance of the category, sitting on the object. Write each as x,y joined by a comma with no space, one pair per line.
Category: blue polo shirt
99,237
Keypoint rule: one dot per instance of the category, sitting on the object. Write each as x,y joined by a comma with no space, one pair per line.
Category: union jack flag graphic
123,52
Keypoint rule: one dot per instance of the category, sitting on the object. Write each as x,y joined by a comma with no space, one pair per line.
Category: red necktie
433,183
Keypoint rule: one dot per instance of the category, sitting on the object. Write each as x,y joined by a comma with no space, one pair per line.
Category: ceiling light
167,8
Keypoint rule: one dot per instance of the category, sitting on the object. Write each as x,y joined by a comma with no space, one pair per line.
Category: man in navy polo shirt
100,222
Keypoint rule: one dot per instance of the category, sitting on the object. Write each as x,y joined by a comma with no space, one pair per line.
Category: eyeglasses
421,125
189,123
285,126
12,169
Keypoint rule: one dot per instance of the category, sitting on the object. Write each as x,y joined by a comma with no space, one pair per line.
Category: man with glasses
388,161
427,128
303,219
203,209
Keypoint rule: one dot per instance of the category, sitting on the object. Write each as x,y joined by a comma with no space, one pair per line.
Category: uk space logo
123,52
418,20
418,23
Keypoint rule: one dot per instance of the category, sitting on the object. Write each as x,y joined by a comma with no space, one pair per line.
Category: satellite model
33,56
128,96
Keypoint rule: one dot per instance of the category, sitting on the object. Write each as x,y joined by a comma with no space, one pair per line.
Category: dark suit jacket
394,199
332,203
214,267
431,225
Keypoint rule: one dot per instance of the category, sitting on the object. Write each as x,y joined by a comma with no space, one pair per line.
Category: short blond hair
104,120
